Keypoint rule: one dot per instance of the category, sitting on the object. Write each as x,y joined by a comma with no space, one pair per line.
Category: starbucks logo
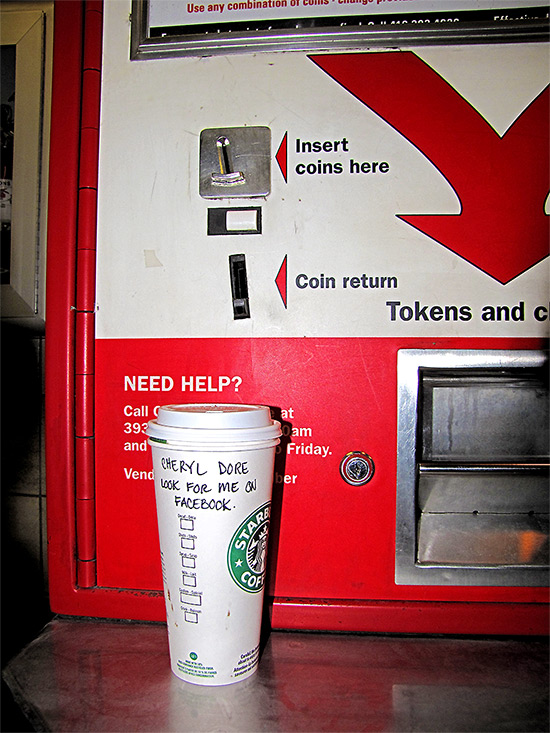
247,553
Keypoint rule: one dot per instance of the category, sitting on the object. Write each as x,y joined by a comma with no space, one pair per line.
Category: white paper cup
213,469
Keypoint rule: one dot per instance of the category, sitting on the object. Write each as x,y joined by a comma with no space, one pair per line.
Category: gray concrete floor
83,675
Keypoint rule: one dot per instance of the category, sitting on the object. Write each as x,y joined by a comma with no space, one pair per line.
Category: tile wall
25,607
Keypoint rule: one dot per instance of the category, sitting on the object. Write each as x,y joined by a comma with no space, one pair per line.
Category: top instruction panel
167,28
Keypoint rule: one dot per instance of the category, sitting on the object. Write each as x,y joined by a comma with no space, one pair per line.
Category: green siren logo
247,553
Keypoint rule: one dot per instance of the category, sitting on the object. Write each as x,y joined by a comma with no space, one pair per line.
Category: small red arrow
501,182
281,281
281,156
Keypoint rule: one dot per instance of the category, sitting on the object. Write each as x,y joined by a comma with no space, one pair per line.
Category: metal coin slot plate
235,162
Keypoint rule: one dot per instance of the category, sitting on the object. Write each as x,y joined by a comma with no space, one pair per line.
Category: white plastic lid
199,416
213,422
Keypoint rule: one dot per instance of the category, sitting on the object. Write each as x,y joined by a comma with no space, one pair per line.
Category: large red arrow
501,182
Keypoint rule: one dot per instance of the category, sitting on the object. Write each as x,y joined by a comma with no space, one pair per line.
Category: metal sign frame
336,33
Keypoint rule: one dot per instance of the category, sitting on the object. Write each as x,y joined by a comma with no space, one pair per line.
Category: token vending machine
340,211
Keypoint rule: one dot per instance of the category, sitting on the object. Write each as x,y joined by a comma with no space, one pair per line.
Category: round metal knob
357,468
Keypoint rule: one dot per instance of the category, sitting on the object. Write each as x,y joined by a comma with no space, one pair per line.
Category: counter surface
90,675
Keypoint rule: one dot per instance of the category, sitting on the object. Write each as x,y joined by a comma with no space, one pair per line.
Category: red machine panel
339,281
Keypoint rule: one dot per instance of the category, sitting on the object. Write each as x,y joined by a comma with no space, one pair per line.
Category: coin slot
235,162
226,176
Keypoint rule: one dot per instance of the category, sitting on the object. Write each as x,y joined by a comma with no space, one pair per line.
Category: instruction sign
166,13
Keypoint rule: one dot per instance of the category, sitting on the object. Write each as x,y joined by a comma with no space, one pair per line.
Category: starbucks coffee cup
213,470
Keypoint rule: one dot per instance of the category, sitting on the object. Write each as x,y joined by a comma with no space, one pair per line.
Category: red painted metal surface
91,90
84,410
84,468
71,295
89,145
85,573
85,297
60,295
94,32
85,343
330,540
87,215
85,522
413,617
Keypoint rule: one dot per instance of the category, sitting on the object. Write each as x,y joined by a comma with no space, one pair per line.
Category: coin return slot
239,286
